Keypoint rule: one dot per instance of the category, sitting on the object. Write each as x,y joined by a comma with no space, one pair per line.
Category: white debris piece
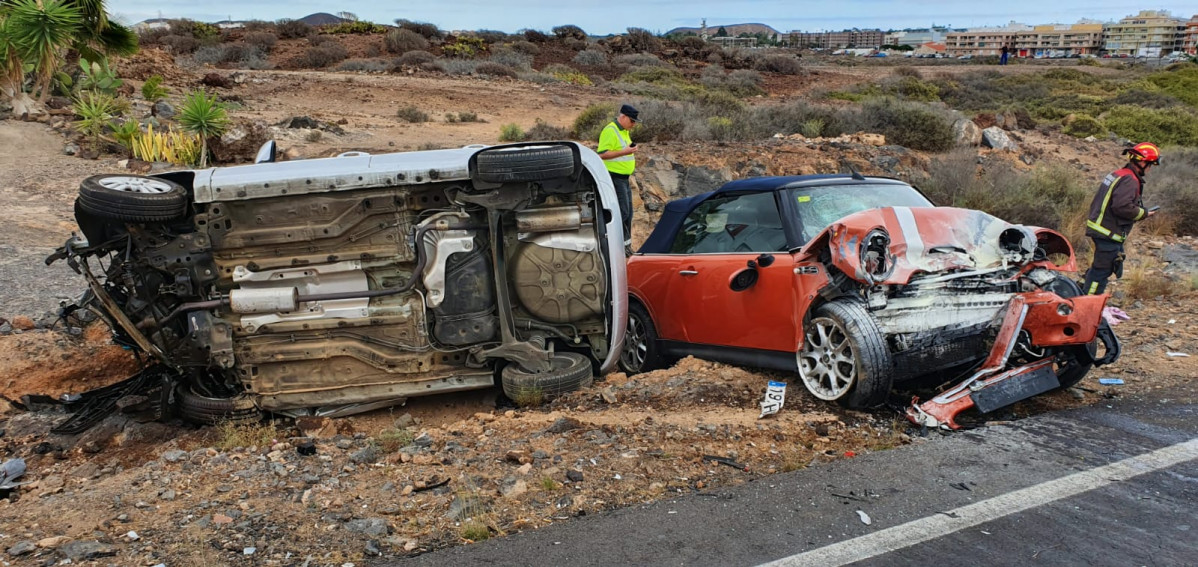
864,517
775,396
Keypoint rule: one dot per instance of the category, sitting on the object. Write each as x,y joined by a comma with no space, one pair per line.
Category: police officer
1118,205
617,148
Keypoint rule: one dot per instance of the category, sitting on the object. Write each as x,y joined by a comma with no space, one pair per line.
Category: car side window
731,224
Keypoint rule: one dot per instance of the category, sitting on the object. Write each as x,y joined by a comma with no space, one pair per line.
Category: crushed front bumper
1049,321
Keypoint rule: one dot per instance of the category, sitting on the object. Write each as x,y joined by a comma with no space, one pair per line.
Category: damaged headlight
875,255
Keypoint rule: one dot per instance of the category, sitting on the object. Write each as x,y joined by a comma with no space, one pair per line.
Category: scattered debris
1113,315
864,517
1110,381
10,471
724,461
775,396
1172,354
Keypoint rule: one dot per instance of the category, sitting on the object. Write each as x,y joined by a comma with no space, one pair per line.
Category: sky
602,18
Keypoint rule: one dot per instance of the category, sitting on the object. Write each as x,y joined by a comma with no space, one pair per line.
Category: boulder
966,133
995,137
163,109
240,143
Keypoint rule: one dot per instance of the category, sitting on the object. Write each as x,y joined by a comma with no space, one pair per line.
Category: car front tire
844,357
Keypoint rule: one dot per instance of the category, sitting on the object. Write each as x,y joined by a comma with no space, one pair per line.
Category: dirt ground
439,471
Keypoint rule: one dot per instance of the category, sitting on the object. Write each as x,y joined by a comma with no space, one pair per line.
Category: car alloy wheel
826,362
636,345
135,184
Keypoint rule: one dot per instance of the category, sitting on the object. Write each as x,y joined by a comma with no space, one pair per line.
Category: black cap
629,111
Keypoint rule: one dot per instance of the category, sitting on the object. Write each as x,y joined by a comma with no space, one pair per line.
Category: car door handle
688,272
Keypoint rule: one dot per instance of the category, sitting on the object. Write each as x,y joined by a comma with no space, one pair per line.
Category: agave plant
204,116
96,111
152,89
97,76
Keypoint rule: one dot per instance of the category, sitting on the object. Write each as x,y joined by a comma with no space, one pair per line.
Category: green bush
913,88
465,47
592,119
360,27
1181,84
153,90
1084,126
511,133
909,124
1169,126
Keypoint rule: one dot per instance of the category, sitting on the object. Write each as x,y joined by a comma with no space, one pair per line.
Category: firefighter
1117,205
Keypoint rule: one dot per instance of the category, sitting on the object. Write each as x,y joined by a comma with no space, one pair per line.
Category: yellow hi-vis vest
615,138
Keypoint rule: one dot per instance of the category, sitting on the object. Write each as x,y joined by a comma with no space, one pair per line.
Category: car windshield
820,206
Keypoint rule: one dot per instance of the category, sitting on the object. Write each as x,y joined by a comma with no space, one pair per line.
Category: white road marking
944,523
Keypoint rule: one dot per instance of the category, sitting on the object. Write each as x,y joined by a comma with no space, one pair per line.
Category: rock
175,455
423,440
1028,159
22,548
372,548
365,456
517,456
564,502
82,550
966,133
608,394
574,475
406,420
151,121
306,448
995,137
22,323
163,109
373,527
240,143
221,519
71,149
344,444
167,495
525,468
1181,259
216,80
871,139
316,427
513,487
132,535
52,542
296,122
564,424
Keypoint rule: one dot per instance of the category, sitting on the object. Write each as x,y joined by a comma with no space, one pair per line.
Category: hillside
732,29
321,19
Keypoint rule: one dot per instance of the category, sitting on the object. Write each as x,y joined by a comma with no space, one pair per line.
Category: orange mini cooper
858,284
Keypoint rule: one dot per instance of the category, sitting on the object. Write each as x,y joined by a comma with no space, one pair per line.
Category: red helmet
1144,152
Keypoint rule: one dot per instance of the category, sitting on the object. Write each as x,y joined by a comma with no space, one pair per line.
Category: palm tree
37,31
34,31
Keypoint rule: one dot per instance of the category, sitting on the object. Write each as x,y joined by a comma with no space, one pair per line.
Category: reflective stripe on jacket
615,138
1117,205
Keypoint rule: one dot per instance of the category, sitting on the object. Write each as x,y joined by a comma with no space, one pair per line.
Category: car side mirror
744,279
765,260
267,153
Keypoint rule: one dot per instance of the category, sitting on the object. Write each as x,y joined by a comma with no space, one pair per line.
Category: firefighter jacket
1117,205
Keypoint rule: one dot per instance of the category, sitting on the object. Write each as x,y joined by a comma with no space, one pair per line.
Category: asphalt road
1110,484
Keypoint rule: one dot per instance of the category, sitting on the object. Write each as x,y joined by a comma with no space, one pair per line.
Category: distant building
930,48
733,41
230,25
984,41
915,37
1190,42
856,38
1151,33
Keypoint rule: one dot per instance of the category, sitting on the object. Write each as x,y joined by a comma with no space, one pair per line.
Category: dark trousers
1108,259
1003,60
624,197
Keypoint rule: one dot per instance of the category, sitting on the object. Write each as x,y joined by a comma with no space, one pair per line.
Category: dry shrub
640,39
262,40
639,60
426,30
905,71
293,29
909,124
493,69
415,58
366,65
781,64
403,41
232,435
511,58
545,131
1171,185
569,31
180,44
526,47
536,36
323,55
412,114
1145,279
590,57
592,119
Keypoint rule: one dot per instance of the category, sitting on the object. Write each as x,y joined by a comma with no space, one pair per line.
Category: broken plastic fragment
1114,315
864,517
775,396
10,471
1176,354
1110,381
